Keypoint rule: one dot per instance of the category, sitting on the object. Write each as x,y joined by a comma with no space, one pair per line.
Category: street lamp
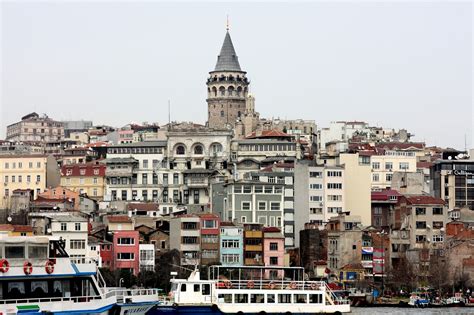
382,234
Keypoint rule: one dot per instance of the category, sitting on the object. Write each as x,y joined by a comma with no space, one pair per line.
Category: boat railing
271,285
75,299
334,299
124,293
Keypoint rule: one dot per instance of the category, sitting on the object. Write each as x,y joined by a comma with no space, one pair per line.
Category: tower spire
227,26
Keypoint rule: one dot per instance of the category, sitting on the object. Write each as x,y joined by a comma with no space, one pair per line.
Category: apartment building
383,203
249,201
232,244
210,231
32,127
125,244
147,257
185,236
85,179
384,166
253,244
133,172
453,181
273,251
74,231
417,227
35,172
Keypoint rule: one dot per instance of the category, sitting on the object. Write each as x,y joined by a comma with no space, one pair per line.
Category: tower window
222,113
180,150
238,113
222,91
198,149
231,90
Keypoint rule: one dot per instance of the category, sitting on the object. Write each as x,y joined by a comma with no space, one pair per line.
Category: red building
210,231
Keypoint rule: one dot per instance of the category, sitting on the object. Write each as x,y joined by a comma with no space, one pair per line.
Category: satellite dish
449,157
48,230
9,219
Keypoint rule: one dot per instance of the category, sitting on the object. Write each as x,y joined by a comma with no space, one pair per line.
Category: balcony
253,248
253,262
197,182
119,172
253,234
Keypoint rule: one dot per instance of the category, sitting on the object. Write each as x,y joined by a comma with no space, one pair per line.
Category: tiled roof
384,194
268,134
424,164
88,169
424,200
142,206
22,228
271,229
401,145
6,227
119,219
227,59
227,224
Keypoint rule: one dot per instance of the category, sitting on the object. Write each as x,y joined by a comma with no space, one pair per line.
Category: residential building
86,179
76,126
453,181
32,127
383,203
313,247
74,231
147,257
273,251
253,244
232,244
16,230
249,202
125,244
185,236
417,227
384,166
210,231
227,88
20,148
35,172
61,194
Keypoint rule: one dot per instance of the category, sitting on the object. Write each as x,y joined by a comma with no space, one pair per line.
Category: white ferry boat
253,290
37,277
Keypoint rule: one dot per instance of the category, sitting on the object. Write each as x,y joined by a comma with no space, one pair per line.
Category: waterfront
402,311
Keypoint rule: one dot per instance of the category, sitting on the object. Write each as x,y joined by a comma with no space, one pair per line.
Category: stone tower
227,88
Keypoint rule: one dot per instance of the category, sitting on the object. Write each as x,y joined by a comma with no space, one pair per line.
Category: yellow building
383,167
16,230
86,178
21,172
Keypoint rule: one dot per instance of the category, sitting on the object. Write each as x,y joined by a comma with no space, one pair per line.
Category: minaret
227,88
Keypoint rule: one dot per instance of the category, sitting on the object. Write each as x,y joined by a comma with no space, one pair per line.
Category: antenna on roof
169,113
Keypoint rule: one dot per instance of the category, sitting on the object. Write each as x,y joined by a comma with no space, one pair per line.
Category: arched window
230,90
216,148
222,113
239,91
198,149
238,113
214,91
180,150
222,91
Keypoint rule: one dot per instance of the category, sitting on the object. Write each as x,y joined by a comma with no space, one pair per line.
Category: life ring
228,285
250,284
4,265
313,286
49,267
293,285
271,285
27,267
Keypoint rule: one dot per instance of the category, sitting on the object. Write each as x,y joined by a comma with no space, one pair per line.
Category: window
63,226
268,189
377,210
375,177
334,185
246,205
210,224
257,298
273,246
189,240
82,172
258,189
13,178
335,197
126,241
125,256
230,244
247,189
388,165
376,165
334,209
438,238
38,164
38,178
275,206
316,186
14,252
183,287
144,179
77,226
316,298
96,171
180,150
145,163
20,178
334,173
175,179
437,211
278,189
316,198
316,174
77,244
420,211
388,177
284,298
437,225
237,189
420,238
421,224
262,205
241,298
404,165
315,210
198,149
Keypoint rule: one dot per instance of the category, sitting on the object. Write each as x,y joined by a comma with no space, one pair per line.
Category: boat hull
214,310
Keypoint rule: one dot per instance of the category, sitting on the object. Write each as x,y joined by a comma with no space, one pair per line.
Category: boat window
241,298
14,252
16,289
270,298
257,298
40,252
39,288
206,289
315,298
300,298
183,287
225,298
284,298
197,288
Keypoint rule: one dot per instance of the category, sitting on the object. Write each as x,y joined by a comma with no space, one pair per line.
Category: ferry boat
252,290
38,277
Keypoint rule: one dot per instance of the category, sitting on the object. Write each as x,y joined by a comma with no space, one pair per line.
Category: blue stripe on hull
193,310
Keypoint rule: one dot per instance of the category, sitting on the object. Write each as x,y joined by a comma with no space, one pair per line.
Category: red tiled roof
97,144
6,227
75,169
401,145
22,228
119,219
424,200
142,206
271,229
227,224
424,164
268,134
384,194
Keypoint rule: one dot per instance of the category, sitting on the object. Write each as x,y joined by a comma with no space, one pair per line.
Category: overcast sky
397,65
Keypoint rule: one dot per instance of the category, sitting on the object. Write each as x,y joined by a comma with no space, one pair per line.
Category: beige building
358,186
25,172
32,127
86,178
384,166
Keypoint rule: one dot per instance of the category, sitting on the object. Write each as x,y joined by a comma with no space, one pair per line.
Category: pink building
273,251
126,251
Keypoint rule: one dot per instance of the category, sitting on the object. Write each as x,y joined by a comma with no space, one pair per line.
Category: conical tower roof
227,59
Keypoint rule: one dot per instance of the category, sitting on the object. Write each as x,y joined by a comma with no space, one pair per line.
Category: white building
147,257
74,231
